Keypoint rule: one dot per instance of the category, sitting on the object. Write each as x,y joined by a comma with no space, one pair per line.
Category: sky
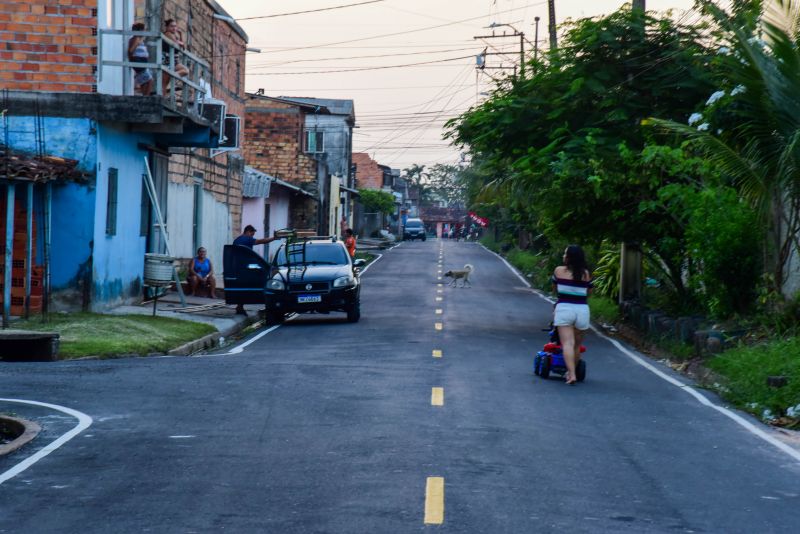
409,65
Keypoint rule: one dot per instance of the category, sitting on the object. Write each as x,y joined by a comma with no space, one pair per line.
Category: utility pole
536,41
482,62
551,9
639,4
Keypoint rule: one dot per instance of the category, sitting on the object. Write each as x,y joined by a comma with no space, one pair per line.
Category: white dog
460,274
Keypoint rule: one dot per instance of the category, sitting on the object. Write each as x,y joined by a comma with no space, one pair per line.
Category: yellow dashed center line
434,501
438,299
438,326
438,311
437,396
437,353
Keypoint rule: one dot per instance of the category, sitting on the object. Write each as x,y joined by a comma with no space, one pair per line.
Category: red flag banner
481,221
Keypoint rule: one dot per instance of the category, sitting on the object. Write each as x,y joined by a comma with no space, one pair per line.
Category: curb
29,430
211,341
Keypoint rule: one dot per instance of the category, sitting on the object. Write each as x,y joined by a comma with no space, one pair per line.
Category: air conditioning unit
231,132
214,112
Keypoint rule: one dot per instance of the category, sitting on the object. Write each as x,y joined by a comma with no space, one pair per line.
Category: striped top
571,291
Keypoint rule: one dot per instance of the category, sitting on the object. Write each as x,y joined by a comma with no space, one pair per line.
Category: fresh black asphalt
326,426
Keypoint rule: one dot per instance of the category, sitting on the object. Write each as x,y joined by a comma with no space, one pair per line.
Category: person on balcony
138,53
172,33
201,274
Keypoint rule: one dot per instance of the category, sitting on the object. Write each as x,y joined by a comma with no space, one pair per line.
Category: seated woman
172,33
201,274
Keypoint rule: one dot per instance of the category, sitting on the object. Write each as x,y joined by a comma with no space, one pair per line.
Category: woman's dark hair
576,262
168,22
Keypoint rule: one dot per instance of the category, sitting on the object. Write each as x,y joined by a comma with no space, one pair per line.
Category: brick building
273,144
370,174
69,95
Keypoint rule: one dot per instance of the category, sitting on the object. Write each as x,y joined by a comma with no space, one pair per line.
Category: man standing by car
247,239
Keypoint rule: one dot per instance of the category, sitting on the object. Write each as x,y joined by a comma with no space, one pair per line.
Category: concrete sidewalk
214,312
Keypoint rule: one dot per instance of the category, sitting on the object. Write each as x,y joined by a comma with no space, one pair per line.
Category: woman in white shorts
573,284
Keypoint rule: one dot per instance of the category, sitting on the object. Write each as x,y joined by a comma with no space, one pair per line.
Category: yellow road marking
439,271
440,290
434,501
438,326
437,353
437,396
440,285
438,299
438,311
439,278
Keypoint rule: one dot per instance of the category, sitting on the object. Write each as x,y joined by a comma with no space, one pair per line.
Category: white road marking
688,388
84,421
182,437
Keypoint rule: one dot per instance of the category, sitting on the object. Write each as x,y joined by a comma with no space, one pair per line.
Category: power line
396,33
362,68
360,57
311,10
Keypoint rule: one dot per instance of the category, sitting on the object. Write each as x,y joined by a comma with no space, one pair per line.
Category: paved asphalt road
325,426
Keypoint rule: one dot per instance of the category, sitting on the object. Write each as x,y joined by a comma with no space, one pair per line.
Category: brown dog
460,274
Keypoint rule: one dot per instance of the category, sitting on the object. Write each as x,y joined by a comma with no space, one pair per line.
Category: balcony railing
181,93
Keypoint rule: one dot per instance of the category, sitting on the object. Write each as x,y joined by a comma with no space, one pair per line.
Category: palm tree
760,152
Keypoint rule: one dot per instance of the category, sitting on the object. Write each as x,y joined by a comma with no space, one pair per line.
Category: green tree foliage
375,201
750,127
564,149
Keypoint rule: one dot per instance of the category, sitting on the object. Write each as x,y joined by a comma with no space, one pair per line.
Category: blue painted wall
119,259
73,204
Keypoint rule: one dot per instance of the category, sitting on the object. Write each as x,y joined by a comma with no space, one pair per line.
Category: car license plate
305,299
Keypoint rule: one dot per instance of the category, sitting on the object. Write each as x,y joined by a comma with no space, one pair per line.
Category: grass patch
90,334
604,309
533,266
367,256
746,369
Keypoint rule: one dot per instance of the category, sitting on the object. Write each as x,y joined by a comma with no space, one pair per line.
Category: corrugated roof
256,184
335,105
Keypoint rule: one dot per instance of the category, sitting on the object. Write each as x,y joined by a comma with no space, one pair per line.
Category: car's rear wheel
354,312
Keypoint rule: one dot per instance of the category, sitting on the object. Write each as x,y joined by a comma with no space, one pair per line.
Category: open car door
245,273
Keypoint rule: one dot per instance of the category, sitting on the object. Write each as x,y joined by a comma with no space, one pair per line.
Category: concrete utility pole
639,4
551,9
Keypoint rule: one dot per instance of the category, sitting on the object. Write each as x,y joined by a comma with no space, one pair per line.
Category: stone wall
48,45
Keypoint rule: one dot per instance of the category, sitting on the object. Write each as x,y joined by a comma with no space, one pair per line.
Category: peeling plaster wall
73,204
118,263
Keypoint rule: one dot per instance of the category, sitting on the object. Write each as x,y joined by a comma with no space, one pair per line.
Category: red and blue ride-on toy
551,360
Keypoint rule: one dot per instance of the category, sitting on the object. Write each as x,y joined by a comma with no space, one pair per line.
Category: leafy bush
604,309
606,273
376,201
535,267
746,370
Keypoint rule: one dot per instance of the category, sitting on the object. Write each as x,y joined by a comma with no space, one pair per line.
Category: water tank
158,269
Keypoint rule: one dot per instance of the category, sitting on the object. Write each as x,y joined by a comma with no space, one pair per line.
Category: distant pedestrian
573,284
247,239
350,243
